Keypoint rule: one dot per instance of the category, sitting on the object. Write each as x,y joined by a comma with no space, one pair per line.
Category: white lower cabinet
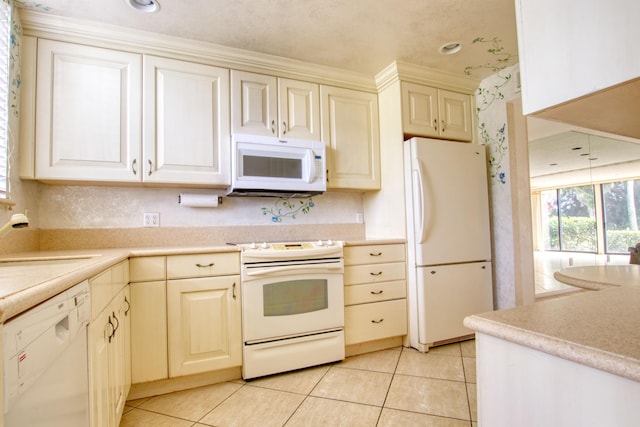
204,324
187,315
109,350
375,292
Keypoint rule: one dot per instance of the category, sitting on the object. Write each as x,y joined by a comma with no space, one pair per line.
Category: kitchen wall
491,101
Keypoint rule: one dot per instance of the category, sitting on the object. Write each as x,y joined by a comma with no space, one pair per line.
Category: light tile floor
395,387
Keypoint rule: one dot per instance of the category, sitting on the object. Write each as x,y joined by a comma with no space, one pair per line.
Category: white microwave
278,167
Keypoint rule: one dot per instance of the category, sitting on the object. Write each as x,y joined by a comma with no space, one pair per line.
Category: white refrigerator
449,244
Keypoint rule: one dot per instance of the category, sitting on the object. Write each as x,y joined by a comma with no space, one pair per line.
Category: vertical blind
5,30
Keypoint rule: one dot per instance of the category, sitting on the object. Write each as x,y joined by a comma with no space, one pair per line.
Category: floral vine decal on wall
496,139
33,5
288,208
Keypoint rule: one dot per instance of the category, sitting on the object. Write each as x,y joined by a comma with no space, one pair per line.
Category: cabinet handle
377,321
284,128
376,254
150,167
379,273
113,329
376,292
233,290
205,266
133,166
435,124
117,323
273,127
126,312
442,125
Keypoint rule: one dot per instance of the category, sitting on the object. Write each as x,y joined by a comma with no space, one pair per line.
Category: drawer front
147,269
355,274
374,292
367,322
373,254
202,265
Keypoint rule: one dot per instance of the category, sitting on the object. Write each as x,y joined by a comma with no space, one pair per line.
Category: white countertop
598,329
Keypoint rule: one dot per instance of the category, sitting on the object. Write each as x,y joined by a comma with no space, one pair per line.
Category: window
569,221
573,219
5,33
621,202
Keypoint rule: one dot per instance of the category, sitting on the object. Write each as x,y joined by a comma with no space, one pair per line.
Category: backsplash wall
73,207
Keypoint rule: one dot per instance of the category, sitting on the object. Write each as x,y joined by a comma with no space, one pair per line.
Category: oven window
295,297
271,167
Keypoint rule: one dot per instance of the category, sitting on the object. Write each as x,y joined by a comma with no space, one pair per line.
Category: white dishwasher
46,381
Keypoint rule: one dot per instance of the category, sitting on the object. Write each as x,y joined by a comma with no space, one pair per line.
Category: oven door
290,305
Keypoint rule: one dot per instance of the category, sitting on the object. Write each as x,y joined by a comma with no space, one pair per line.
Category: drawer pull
376,254
376,292
376,274
234,290
205,266
377,321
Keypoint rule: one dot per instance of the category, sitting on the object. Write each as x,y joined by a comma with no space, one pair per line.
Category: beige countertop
25,286
596,277
597,329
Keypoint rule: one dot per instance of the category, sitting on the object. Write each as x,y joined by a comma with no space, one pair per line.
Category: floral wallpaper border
494,137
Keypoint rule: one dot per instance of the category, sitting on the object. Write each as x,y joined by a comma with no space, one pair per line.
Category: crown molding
60,28
404,71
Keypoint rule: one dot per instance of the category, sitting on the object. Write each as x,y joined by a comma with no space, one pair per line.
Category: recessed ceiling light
576,148
149,6
553,164
450,48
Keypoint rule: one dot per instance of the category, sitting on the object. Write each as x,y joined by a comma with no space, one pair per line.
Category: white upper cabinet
438,113
350,130
579,62
186,122
270,106
89,117
88,111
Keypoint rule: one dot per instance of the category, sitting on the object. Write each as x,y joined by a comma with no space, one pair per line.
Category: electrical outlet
151,219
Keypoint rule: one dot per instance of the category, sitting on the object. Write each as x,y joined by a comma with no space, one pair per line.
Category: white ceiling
362,36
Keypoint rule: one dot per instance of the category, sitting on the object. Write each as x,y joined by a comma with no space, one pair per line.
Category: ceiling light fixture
148,6
450,48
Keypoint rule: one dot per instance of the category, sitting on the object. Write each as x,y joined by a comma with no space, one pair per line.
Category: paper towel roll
198,200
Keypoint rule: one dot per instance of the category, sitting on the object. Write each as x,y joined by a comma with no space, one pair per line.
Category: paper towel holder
180,201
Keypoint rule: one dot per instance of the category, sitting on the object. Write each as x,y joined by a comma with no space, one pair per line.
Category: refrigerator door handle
419,177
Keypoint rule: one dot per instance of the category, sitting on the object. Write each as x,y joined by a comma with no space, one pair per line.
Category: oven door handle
270,271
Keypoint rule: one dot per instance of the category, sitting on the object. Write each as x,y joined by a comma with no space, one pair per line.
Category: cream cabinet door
88,113
419,110
298,109
186,123
120,352
428,111
100,331
350,130
454,111
254,103
204,331
149,331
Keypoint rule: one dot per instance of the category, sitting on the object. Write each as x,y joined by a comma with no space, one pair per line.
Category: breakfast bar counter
571,360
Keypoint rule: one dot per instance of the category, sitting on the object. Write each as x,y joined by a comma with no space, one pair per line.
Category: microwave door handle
311,166
267,271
